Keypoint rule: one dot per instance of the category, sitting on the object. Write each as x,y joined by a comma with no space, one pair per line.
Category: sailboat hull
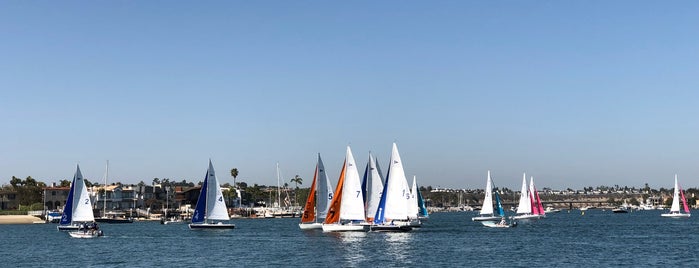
527,217
113,220
311,225
486,218
212,226
676,215
68,227
88,234
333,227
390,228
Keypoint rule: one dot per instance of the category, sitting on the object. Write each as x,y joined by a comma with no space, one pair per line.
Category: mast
106,174
279,194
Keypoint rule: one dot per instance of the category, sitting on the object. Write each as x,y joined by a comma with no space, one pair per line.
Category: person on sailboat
502,222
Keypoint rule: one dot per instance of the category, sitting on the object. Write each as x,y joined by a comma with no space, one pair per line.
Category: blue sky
573,93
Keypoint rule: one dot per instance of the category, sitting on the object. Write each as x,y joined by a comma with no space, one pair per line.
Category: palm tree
234,174
296,180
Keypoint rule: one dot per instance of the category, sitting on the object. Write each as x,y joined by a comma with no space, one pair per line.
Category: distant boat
525,207
423,214
620,210
111,217
487,212
318,200
392,214
675,208
78,208
372,187
210,211
346,211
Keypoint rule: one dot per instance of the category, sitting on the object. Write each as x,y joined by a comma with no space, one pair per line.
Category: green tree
296,180
234,174
65,183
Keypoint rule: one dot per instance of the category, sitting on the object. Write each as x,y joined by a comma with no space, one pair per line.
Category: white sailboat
210,211
318,201
486,213
392,214
373,186
524,209
78,208
346,211
537,207
111,217
675,208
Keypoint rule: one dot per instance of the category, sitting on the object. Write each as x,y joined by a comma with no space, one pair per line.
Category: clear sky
575,93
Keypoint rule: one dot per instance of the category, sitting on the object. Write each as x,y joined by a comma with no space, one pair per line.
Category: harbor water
565,239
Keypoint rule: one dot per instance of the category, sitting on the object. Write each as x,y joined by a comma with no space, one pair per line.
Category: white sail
374,188
397,192
324,191
82,206
487,208
352,206
413,209
215,205
676,198
525,206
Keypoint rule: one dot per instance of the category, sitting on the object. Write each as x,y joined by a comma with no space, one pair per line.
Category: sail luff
352,207
676,198
324,191
524,203
309,209
487,207
82,206
334,210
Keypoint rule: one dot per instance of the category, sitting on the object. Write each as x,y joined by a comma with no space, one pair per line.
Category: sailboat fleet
372,203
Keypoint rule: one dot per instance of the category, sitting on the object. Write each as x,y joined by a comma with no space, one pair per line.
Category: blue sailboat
210,211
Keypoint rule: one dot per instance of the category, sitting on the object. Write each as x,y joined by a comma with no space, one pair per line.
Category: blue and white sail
78,206
324,191
210,205
396,193
372,185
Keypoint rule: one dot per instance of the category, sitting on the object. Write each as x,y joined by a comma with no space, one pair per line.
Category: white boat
78,208
499,224
373,187
318,201
675,208
86,234
524,209
393,212
110,217
413,206
210,211
486,213
346,212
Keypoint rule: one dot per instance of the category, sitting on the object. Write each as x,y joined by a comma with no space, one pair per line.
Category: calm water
562,239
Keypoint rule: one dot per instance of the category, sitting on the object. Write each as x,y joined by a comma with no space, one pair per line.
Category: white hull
88,234
333,227
310,226
527,217
486,218
68,227
676,215
493,224
219,225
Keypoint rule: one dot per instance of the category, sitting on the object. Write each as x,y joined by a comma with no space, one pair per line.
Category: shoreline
20,219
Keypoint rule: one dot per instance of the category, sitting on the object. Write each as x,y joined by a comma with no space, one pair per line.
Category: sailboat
537,207
372,185
423,214
115,217
210,211
318,200
392,214
487,208
524,209
78,208
346,211
675,209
